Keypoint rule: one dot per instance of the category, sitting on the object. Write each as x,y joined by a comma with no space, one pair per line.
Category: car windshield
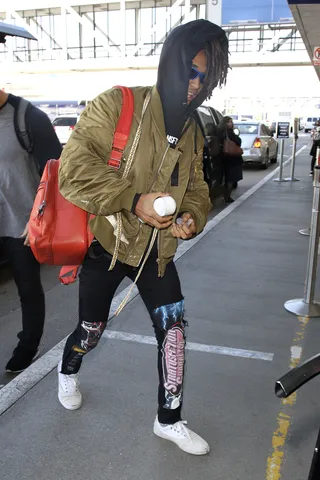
247,128
207,120
64,121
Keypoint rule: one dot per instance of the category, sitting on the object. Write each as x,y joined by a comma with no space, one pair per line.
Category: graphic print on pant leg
167,315
94,331
81,341
173,366
169,318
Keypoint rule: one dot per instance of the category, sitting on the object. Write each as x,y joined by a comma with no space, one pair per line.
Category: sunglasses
194,73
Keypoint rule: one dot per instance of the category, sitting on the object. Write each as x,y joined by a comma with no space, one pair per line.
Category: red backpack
58,230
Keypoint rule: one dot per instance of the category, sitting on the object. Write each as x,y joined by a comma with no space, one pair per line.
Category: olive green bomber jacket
87,181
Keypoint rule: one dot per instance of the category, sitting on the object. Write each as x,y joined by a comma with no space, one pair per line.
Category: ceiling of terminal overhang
306,14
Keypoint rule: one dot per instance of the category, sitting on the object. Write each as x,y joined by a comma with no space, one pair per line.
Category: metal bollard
306,306
281,179
293,162
306,231
294,150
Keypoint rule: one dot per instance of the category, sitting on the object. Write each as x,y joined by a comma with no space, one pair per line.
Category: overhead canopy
306,14
13,31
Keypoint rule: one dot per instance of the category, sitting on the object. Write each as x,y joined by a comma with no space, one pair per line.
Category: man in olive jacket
131,239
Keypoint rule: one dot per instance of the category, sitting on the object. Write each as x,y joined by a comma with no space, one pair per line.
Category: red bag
58,230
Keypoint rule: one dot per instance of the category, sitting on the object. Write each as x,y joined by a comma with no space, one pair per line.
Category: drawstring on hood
179,49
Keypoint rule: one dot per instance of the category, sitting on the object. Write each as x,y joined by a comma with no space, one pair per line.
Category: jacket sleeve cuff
135,201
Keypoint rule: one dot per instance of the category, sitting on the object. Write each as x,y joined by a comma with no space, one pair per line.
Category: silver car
258,144
64,126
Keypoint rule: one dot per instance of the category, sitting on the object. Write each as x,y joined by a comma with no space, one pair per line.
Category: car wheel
275,158
265,164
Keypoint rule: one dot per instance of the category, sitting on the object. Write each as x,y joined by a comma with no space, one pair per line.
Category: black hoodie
179,49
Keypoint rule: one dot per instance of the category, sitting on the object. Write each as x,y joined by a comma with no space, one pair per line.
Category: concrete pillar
65,34
214,11
123,27
187,7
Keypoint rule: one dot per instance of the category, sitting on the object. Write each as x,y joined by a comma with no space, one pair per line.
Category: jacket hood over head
179,49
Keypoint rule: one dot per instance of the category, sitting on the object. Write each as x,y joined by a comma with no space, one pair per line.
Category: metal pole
281,179
281,160
314,241
293,162
294,150
10,46
306,306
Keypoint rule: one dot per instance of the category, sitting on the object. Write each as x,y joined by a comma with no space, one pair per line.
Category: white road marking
195,347
21,384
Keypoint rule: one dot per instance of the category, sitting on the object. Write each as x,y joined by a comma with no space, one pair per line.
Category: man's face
199,63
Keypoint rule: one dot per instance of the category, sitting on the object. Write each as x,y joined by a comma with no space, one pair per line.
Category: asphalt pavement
59,324
235,277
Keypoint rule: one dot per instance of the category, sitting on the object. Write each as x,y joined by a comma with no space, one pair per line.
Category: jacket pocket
130,225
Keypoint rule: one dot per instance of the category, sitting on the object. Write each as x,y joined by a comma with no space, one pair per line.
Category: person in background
314,129
232,165
313,151
21,164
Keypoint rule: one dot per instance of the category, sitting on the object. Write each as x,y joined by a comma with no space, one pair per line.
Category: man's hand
25,235
185,228
145,211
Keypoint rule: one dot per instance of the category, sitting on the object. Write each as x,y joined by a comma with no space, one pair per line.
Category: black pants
313,162
164,301
26,274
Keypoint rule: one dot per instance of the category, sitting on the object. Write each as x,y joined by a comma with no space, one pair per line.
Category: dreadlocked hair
217,64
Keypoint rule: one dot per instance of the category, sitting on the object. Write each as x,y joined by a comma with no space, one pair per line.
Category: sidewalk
235,280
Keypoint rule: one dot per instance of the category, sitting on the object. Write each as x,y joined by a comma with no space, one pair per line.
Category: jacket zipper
152,185
154,181
160,166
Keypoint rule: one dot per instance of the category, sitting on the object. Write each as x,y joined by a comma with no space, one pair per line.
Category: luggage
58,230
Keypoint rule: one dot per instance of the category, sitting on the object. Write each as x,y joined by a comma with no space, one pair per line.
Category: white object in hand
179,221
164,206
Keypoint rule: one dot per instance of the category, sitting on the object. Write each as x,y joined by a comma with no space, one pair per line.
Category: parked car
64,126
310,123
258,143
208,120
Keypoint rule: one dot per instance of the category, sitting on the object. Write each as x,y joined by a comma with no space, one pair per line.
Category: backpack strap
123,127
68,274
20,125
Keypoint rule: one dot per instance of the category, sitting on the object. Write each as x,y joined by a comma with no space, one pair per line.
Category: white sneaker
182,436
69,394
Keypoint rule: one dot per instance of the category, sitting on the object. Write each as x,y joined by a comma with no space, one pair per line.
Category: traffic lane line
21,384
196,347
